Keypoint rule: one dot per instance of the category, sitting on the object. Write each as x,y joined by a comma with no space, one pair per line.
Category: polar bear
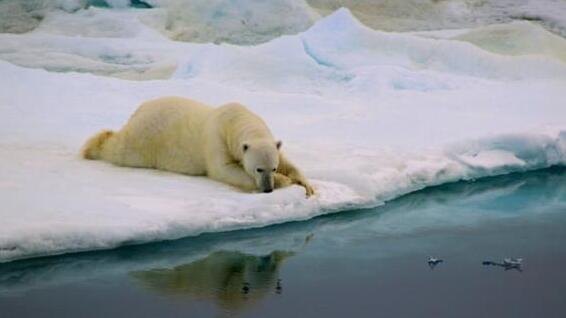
229,144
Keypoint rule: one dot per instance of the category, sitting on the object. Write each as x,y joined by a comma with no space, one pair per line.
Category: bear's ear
278,144
245,147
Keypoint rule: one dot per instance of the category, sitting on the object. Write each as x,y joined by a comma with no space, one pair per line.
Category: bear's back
166,133
171,107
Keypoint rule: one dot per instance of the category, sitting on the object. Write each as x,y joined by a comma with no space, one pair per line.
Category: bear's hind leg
93,147
125,152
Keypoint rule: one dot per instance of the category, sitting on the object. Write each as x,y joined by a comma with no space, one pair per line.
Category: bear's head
260,160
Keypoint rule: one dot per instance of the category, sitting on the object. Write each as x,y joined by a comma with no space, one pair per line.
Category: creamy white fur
229,144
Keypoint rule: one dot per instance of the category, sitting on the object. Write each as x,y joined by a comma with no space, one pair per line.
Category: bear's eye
273,169
259,170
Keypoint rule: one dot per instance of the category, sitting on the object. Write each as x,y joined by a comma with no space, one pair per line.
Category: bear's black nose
268,190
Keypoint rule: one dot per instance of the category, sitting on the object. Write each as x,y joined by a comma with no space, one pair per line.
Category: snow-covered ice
368,115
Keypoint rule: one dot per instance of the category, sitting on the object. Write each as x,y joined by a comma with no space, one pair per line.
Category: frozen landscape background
372,101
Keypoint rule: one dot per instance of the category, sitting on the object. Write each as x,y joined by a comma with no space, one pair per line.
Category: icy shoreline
369,116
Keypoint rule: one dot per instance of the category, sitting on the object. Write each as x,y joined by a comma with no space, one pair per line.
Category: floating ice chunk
513,261
507,264
433,262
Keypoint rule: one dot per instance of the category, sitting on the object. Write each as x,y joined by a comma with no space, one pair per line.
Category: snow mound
235,21
340,54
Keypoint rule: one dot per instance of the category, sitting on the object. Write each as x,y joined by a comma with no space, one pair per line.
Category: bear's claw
308,188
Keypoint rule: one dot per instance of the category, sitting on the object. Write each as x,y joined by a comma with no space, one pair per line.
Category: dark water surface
370,263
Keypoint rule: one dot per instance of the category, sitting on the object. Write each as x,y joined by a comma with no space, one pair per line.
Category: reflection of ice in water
233,280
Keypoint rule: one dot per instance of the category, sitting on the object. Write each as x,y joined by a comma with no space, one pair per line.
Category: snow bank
516,38
417,15
369,116
339,54
234,21
103,42
255,21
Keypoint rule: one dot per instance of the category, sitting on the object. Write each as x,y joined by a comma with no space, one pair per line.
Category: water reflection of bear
233,280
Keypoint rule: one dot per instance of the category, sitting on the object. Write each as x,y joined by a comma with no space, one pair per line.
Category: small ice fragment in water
432,262
507,264
512,261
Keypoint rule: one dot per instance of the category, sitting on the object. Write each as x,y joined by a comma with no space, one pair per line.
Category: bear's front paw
308,188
